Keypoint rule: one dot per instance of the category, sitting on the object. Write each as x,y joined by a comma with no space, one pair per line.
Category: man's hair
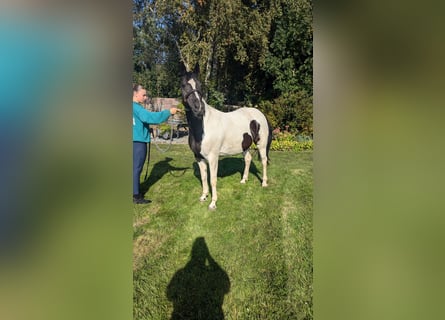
136,87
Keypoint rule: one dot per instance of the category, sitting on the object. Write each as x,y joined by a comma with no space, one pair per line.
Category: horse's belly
221,150
228,150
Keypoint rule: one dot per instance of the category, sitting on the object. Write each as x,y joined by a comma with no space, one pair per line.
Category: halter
197,111
193,91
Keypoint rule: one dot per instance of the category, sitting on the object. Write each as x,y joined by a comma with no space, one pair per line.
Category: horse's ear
196,69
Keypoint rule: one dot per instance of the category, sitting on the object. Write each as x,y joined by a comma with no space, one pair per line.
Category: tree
289,64
249,51
289,60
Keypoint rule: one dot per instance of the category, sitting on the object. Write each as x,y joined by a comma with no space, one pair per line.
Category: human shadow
157,172
197,290
230,166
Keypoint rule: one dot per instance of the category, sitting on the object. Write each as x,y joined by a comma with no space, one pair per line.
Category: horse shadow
230,166
157,172
197,290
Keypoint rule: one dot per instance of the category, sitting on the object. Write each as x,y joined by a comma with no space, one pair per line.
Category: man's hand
174,110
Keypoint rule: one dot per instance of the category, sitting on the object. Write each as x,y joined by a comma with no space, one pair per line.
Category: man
141,136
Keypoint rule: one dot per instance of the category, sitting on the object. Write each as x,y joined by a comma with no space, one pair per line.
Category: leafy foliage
250,52
287,141
291,110
289,59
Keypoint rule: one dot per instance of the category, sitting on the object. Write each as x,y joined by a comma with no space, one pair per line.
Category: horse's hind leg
247,160
205,185
263,156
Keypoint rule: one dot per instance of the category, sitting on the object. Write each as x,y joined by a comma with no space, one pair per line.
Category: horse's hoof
243,181
264,185
212,207
203,198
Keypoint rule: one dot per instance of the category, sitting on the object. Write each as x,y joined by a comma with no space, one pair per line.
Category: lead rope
155,140
148,161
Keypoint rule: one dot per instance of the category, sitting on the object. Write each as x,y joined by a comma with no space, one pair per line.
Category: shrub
216,98
293,109
287,141
291,145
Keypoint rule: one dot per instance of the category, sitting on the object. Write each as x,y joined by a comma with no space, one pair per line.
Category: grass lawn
251,258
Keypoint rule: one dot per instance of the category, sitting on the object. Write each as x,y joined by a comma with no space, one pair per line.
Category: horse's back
254,112
247,114
227,132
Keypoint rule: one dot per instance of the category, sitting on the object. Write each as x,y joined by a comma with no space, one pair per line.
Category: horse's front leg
213,165
205,185
247,160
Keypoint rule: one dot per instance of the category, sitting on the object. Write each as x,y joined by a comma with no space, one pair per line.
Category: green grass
252,257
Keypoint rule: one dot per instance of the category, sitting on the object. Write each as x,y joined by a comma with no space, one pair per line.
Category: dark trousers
139,156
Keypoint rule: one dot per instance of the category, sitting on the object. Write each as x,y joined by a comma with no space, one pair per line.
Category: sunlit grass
252,257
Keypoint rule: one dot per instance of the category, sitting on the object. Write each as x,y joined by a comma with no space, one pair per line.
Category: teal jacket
141,120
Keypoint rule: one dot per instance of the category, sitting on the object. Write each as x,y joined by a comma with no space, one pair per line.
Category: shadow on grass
197,290
157,172
228,167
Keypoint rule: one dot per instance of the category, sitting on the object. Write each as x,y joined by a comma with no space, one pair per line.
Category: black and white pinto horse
213,133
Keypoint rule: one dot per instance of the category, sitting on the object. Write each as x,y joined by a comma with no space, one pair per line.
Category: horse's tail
269,141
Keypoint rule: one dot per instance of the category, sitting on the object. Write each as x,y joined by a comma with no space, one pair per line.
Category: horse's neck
208,111
194,121
196,124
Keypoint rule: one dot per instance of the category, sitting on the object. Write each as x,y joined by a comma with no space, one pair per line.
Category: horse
213,133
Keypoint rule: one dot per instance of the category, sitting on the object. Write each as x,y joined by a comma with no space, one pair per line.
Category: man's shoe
139,199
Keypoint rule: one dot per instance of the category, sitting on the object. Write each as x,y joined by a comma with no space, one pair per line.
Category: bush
291,146
292,109
273,113
216,98
286,141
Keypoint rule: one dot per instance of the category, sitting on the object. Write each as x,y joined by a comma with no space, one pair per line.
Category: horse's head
192,94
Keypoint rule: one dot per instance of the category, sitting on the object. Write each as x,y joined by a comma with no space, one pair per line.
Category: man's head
139,94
